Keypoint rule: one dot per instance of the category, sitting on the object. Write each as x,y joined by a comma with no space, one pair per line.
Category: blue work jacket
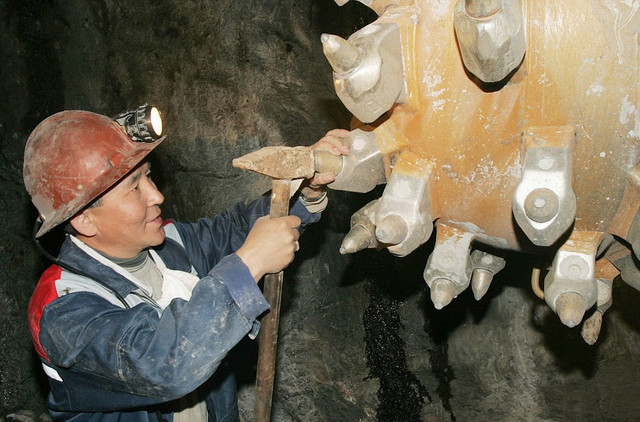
111,353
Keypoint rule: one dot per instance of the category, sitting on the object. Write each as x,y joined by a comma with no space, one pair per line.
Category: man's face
128,218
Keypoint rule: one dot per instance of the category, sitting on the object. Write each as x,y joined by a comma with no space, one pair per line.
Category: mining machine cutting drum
498,125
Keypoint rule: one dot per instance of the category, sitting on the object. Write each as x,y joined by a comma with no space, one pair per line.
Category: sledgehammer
283,165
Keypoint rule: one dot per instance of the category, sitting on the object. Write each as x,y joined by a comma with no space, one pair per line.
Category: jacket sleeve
208,240
153,356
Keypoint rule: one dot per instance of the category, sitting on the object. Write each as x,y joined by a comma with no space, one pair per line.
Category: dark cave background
360,339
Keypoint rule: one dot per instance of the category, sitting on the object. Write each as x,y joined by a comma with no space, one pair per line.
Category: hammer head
279,162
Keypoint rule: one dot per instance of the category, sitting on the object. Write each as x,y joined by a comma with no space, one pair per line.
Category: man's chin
158,238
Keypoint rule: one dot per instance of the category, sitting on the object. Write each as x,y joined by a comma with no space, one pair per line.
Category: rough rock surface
360,339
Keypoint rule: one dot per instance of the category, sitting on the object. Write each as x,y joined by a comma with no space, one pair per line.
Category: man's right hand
270,245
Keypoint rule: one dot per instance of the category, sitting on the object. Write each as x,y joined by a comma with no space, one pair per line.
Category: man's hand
333,142
270,245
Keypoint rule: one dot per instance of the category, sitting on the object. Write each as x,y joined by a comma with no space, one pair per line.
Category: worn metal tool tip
279,162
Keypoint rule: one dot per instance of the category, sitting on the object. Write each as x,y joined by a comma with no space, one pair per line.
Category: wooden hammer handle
270,322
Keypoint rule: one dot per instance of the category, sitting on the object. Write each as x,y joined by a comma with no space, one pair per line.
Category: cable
535,283
68,267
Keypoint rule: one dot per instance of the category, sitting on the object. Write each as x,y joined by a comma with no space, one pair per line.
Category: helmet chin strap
36,226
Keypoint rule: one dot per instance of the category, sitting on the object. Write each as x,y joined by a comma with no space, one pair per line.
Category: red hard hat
71,158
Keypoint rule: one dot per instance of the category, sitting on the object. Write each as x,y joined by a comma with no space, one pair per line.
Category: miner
134,319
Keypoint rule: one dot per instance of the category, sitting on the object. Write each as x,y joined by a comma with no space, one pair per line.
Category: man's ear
83,224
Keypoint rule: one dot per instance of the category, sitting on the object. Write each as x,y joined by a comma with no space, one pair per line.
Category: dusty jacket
110,361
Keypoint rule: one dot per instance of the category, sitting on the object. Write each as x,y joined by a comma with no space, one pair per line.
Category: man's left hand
334,142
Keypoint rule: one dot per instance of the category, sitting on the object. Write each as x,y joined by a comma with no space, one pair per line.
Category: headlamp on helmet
142,124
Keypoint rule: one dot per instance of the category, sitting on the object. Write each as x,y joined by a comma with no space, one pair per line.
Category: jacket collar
79,257
76,255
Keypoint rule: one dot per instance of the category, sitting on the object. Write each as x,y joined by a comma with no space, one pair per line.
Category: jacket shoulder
44,293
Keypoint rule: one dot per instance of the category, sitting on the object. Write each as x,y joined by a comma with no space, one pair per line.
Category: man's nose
155,197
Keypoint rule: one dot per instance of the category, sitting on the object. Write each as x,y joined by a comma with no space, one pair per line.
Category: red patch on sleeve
44,293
